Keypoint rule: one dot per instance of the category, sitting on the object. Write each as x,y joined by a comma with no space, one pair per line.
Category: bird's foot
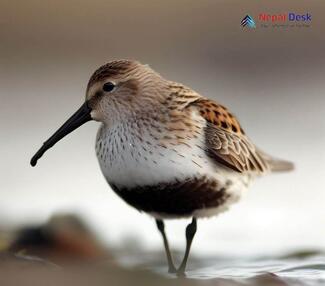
180,273
172,269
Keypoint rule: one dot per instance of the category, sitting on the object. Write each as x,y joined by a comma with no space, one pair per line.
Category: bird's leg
190,232
161,228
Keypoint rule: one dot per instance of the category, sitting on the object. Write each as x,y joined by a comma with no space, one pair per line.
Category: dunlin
164,148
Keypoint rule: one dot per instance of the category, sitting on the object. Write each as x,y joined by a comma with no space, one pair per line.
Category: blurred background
271,78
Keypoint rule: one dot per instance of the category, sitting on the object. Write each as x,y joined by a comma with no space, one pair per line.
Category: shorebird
164,148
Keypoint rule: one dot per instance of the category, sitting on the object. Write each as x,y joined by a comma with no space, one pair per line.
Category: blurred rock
267,279
63,238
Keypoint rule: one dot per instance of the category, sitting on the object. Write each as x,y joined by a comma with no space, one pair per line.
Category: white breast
128,159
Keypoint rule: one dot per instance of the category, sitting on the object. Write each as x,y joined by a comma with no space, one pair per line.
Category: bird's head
122,87
115,90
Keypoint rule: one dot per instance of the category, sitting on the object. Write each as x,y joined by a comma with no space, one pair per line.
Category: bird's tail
277,165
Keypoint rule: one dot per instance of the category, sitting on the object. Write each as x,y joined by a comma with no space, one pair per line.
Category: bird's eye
108,86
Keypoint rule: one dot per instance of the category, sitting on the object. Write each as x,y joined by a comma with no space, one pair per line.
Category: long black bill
77,119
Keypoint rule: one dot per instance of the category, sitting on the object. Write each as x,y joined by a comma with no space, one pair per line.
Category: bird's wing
226,141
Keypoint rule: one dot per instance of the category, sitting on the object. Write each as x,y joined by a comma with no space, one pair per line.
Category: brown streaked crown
112,69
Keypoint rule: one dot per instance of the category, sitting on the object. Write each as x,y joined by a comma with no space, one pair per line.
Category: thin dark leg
190,232
161,228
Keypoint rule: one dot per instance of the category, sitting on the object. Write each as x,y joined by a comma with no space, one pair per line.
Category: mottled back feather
226,141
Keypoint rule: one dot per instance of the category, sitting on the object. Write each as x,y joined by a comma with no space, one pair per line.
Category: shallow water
296,269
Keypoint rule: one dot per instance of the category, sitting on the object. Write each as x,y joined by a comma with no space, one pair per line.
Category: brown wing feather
226,140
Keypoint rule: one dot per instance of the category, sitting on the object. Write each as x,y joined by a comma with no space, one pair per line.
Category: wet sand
18,269
65,252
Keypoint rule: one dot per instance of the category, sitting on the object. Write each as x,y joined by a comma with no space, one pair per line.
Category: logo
248,21
280,20
284,17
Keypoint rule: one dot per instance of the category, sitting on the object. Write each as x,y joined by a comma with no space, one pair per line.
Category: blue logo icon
248,21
